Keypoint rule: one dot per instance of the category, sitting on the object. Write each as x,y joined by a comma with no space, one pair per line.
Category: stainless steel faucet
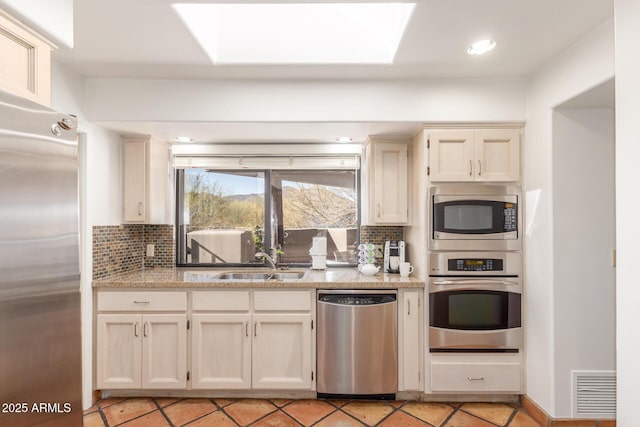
268,257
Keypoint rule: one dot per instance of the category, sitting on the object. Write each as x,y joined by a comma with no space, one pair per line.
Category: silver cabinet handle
479,168
255,329
378,210
135,329
141,302
470,168
246,328
408,307
144,329
140,209
475,379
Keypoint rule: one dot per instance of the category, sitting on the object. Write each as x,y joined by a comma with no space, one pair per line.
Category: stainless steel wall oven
475,302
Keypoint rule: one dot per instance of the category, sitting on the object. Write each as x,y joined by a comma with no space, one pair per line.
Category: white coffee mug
405,269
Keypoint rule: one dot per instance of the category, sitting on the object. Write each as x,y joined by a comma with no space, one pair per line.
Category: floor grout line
333,407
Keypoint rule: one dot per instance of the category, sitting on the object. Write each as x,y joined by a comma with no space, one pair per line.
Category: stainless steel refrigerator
40,342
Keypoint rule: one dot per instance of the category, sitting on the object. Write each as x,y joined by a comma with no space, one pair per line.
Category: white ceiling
146,39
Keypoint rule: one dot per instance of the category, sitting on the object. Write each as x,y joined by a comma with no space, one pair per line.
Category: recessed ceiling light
482,46
183,139
297,33
344,139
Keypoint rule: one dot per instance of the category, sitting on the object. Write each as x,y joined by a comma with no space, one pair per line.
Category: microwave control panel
475,264
510,217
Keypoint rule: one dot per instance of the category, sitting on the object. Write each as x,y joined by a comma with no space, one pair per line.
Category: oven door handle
475,282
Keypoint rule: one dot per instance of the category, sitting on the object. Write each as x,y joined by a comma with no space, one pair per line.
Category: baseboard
545,420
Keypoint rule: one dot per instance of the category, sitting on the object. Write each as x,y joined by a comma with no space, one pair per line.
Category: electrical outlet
151,248
378,251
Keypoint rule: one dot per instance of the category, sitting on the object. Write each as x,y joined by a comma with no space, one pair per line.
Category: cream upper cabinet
478,155
25,68
386,179
146,180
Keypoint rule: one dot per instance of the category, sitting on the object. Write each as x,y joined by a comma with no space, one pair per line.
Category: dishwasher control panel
357,299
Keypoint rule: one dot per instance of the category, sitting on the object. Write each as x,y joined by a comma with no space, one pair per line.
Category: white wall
306,101
584,236
100,195
627,16
579,68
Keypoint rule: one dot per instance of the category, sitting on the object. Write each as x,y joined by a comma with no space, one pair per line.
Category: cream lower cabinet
476,373
142,351
221,351
141,340
410,306
282,351
252,339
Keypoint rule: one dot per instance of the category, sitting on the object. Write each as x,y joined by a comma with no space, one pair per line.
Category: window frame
180,238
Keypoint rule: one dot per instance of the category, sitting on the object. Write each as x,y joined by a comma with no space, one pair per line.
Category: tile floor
170,412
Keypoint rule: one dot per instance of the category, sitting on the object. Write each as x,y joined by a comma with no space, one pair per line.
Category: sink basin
244,276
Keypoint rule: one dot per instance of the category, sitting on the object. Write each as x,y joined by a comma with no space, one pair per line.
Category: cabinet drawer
282,300
142,301
475,377
221,301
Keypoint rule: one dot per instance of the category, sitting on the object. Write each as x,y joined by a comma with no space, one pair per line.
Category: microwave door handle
474,282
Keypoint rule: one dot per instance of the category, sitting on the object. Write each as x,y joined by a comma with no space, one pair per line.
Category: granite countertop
332,278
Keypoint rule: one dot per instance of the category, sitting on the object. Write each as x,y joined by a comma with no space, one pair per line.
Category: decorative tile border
121,248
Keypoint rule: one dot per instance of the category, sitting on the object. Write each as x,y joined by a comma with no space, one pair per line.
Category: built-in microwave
475,217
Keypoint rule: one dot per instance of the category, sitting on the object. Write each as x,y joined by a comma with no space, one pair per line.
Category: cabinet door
390,183
451,155
26,61
221,351
118,351
164,351
497,155
134,183
282,351
410,360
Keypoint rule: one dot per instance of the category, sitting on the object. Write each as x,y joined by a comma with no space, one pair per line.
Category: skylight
297,33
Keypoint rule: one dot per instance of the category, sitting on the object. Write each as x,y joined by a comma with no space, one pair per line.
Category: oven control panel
475,264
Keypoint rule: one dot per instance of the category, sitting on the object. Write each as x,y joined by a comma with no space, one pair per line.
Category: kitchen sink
244,276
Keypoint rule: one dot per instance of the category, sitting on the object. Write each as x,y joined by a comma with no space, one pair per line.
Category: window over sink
226,214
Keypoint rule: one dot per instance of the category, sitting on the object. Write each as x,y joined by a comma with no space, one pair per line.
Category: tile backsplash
120,248
378,235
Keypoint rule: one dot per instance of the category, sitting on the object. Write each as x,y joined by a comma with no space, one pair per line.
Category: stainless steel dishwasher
357,343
